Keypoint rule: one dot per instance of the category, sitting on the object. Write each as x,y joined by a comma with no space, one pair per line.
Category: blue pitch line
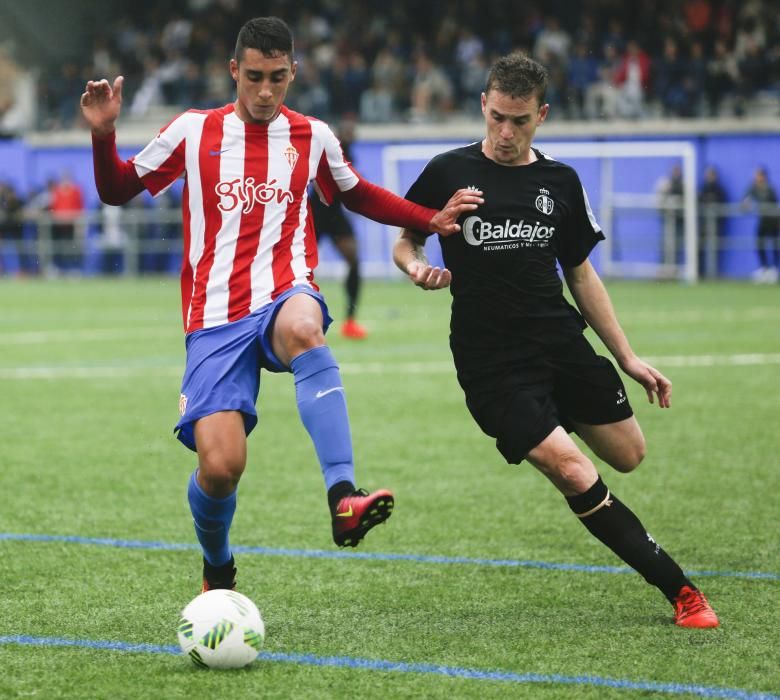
425,669
371,556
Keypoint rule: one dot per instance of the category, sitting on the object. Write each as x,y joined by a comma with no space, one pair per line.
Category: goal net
651,232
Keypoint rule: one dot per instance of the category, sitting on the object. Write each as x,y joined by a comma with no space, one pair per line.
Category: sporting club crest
291,154
545,203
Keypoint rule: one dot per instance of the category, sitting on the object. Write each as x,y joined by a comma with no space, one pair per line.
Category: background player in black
528,373
333,221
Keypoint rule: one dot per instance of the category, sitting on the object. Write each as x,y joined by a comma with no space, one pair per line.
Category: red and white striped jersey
248,235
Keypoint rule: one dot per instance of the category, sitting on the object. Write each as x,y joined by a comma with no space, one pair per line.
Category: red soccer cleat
352,329
691,609
219,576
357,513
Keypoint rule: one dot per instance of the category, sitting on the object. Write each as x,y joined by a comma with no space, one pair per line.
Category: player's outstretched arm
384,206
101,104
116,180
596,307
409,256
445,222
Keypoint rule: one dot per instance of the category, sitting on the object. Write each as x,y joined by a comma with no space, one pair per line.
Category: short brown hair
517,75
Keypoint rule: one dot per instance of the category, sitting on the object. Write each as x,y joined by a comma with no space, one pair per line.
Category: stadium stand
422,62
705,71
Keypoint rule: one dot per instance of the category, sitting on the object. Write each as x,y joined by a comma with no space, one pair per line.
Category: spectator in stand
346,80
601,97
698,17
431,90
615,35
67,231
721,77
376,104
670,77
112,240
633,80
753,74
552,41
8,73
582,72
712,196
311,96
350,39
388,70
58,95
18,104
762,196
696,80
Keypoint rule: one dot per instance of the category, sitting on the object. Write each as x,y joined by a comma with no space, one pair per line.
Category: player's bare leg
221,443
563,463
621,445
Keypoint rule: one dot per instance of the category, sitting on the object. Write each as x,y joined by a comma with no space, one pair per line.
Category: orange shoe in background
352,329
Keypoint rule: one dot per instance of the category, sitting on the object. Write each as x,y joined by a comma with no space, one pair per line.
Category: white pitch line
69,336
758,313
88,372
390,368
714,360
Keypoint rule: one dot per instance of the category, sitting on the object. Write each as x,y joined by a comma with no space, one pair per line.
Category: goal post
621,179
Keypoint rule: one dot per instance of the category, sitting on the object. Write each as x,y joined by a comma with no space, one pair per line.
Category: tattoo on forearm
419,254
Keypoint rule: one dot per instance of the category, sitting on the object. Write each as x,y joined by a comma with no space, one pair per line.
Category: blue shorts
224,363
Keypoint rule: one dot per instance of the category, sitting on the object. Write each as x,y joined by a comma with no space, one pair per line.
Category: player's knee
569,470
220,472
304,333
630,456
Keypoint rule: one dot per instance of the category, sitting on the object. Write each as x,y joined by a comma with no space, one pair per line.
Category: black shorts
330,220
522,395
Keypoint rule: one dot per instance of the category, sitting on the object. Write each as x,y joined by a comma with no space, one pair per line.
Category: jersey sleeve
427,190
162,161
581,232
334,172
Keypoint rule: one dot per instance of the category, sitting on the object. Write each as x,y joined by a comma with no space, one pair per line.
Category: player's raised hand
445,221
655,383
428,277
101,104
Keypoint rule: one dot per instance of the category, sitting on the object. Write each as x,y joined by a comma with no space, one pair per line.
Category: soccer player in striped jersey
249,300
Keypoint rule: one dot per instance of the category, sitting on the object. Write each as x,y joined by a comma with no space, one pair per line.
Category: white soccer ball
221,629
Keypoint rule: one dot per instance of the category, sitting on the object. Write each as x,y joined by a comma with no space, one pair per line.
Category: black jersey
505,284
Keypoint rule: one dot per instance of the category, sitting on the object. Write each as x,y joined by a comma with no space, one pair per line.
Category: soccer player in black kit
528,373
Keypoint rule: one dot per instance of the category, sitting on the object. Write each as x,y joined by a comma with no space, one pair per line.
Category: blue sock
323,410
212,518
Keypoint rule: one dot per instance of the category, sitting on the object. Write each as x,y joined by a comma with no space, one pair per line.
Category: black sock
616,526
352,285
337,492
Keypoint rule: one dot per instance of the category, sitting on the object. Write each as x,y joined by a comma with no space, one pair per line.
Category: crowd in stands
420,62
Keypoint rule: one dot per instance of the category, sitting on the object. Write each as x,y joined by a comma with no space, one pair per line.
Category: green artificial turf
89,388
